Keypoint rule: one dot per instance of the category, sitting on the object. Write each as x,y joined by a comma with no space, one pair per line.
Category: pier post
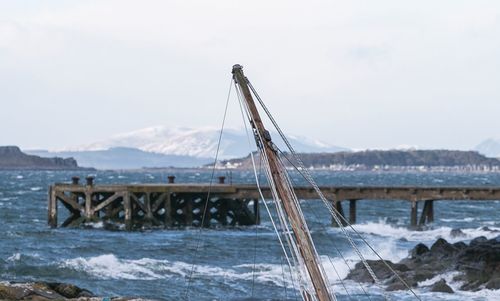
430,212
352,211
88,204
427,213
75,180
188,211
127,207
338,206
256,211
147,204
168,210
52,207
414,213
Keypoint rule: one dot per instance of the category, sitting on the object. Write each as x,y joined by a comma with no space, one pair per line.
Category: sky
357,74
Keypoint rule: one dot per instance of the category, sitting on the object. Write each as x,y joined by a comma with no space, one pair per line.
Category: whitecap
383,229
14,257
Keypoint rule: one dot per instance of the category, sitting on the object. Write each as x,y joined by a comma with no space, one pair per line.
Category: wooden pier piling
352,211
178,205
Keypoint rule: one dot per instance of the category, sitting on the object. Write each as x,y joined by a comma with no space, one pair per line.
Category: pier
179,205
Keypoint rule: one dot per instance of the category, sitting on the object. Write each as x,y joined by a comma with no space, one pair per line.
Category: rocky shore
46,291
475,266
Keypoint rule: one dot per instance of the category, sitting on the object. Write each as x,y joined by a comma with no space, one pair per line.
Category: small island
11,157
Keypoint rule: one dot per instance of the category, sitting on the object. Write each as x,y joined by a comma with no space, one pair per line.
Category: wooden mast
285,192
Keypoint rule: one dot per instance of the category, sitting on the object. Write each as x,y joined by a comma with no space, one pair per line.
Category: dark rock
460,245
454,233
398,286
441,287
361,274
442,248
10,292
493,284
69,290
485,228
423,275
41,291
477,262
478,240
419,250
44,291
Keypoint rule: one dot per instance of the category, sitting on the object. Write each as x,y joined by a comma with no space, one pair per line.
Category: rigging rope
209,191
260,190
286,232
333,244
335,214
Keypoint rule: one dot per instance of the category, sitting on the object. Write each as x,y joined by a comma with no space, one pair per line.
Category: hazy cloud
354,73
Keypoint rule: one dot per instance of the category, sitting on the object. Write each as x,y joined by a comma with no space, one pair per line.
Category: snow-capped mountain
489,147
196,142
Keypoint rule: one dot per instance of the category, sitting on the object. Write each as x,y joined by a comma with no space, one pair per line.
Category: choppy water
230,264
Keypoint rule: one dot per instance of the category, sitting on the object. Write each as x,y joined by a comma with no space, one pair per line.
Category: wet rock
477,262
478,240
485,228
361,274
441,287
398,286
69,290
460,245
8,292
419,250
41,291
493,284
454,233
442,248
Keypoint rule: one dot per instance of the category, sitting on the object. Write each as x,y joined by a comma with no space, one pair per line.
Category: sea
241,263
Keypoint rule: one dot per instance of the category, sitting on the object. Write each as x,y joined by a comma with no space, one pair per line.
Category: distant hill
198,142
11,157
382,159
126,158
489,147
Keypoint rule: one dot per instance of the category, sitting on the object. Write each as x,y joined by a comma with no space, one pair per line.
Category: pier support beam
427,213
127,207
352,211
338,206
52,208
168,210
414,214
256,211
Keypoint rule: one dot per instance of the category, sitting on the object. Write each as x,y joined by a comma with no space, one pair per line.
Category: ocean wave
483,294
108,266
384,229
14,257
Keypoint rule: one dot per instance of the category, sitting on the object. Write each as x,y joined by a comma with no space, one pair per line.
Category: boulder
9,292
493,284
478,240
454,233
69,290
478,264
441,287
442,248
41,291
419,250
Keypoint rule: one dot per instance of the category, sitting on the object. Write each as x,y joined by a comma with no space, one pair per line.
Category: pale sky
358,74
